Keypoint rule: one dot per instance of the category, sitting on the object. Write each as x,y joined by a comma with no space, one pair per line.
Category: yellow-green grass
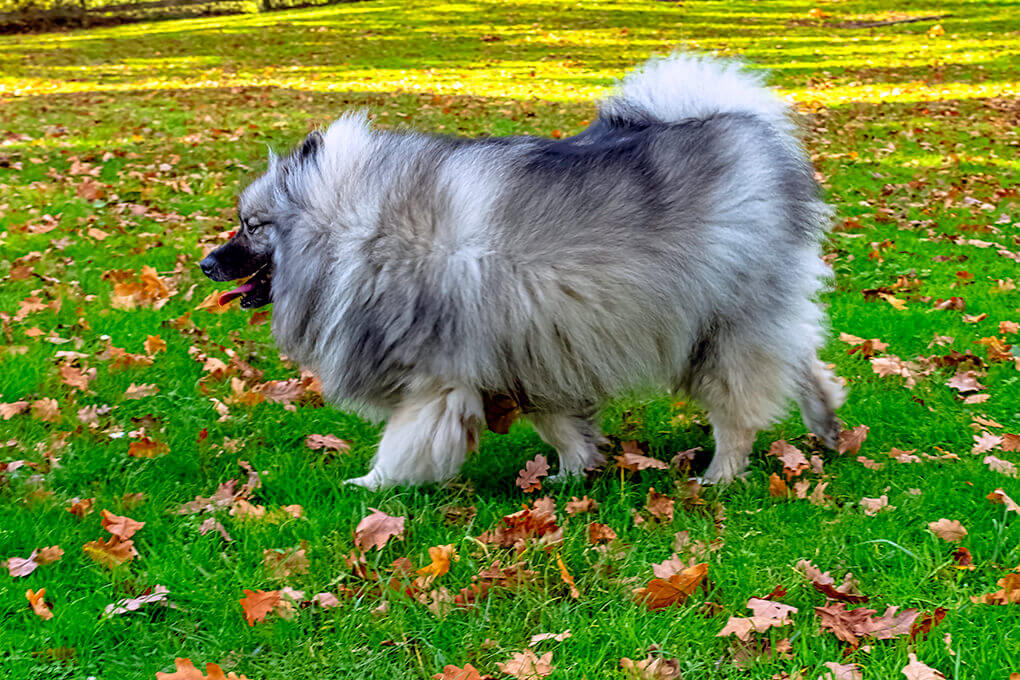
914,133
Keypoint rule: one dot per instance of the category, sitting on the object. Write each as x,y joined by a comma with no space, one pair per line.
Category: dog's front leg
427,437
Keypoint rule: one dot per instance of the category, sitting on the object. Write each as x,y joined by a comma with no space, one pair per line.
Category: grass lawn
125,148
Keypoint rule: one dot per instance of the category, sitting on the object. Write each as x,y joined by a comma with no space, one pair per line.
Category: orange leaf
39,606
662,593
377,529
451,672
111,553
187,671
121,527
258,603
440,556
567,578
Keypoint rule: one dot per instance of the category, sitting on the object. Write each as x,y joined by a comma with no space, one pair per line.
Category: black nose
208,265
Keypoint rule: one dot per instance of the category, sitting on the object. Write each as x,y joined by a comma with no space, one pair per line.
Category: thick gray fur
672,245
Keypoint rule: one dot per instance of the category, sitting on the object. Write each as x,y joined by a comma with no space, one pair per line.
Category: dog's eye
252,224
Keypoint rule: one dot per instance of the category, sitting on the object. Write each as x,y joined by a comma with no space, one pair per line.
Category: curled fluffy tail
684,86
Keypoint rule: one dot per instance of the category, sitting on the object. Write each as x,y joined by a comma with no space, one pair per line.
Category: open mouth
256,291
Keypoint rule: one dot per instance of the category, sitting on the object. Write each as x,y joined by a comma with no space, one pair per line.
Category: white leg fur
574,440
732,451
427,437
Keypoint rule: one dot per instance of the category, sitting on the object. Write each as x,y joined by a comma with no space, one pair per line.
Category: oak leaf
140,391
527,665
1010,593
576,506
258,603
915,670
46,410
147,448
156,594
451,672
850,441
633,459
375,530
187,671
999,465
965,381
659,506
839,671
542,637
327,441
112,552
600,533
651,668
284,563
873,506
530,478
999,497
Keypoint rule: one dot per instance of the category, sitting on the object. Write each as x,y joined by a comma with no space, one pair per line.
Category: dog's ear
310,147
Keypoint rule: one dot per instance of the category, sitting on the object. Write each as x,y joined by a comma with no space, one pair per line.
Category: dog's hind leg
427,437
575,439
819,395
745,390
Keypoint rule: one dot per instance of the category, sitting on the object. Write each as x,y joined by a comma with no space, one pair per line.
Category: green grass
913,135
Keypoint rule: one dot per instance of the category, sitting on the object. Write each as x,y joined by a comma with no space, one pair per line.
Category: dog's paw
722,472
370,481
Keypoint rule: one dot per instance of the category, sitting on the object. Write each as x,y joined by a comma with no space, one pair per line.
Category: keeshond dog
674,244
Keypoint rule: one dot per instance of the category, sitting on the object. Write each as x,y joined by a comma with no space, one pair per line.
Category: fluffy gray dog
672,244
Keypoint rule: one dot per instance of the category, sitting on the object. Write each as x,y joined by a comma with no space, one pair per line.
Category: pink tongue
236,293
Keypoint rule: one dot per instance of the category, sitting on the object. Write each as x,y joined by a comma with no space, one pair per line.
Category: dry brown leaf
839,671
147,448
576,506
38,604
1010,442
999,496
213,524
154,595
873,506
915,670
777,487
75,377
651,668
258,603
46,410
965,381
542,637
283,563
452,672
659,506
850,441
81,506
999,465
10,409
139,391
1010,593
662,593
599,533
327,441
377,529
633,459
530,478
121,527
527,666
985,442
948,530
112,552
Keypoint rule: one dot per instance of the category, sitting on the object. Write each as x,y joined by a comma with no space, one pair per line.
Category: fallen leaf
985,442
38,604
377,529
154,344
600,533
157,594
998,465
213,524
258,603
663,593
999,496
839,671
121,527
651,668
451,672
1010,593
542,637
527,666
568,578
440,556
140,391
915,670
284,563
633,459
187,671
529,479
873,506
777,487
965,381
327,441
659,506
850,441
46,410
948,530
576,506
112,552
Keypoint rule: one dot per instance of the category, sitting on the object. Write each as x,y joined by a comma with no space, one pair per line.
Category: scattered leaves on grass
873,506
839,671
441,555
854,624
651,668
824,583
850,441
112,552
999,497
283,563
659,506
999,465
121,527
600,533
633,459
1009,593
530,478
576,506
376,530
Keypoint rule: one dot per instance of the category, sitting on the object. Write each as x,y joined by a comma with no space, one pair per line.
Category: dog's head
262,211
